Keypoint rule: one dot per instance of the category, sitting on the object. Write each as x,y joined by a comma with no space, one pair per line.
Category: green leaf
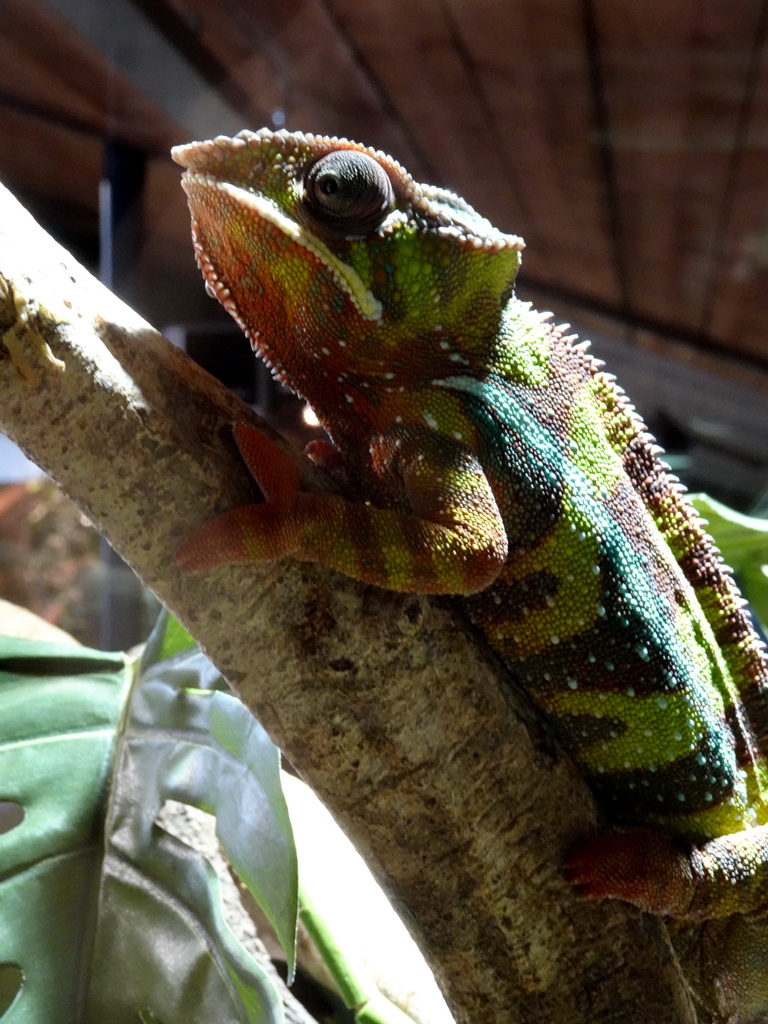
104,916
743,541
59,709
203,747
754,585
376,966
166,640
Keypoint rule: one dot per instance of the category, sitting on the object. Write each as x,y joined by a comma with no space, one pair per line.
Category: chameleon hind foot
646,868
726,875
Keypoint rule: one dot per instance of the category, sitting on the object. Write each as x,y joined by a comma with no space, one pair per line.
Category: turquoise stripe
630,593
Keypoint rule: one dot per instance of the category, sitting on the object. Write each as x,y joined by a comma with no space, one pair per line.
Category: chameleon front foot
251,533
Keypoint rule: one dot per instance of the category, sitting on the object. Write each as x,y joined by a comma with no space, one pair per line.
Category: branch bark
399,719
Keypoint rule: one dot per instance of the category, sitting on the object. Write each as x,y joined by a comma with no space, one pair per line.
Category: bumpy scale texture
496,461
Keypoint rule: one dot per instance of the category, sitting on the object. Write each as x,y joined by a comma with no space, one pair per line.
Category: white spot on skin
430,420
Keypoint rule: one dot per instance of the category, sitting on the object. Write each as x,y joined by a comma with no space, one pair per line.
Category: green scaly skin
500,464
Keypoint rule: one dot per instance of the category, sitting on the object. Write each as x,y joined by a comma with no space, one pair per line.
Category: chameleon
495,460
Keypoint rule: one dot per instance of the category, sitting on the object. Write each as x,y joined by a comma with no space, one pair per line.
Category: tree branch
398,719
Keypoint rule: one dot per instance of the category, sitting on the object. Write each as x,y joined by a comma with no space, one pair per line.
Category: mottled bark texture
400,721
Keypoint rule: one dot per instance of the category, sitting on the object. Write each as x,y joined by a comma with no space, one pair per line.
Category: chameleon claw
273,470
324,455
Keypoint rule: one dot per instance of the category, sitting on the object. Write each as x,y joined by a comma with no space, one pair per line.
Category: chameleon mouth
217,288
206,191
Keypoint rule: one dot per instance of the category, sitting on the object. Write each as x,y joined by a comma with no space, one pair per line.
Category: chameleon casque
496,461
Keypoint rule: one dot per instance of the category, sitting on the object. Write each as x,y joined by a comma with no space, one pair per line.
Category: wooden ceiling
626,141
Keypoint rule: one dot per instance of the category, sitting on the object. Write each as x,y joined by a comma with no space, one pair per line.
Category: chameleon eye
348,191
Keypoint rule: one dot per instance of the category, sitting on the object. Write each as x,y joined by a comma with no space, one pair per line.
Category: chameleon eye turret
348,191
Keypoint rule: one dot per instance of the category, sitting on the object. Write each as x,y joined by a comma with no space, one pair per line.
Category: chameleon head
317,244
